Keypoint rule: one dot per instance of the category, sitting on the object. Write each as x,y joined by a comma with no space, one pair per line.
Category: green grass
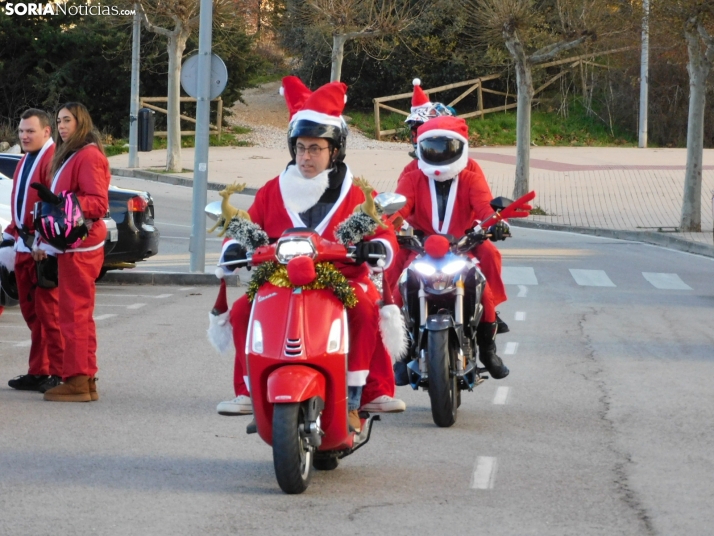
226,139
547,129
265,78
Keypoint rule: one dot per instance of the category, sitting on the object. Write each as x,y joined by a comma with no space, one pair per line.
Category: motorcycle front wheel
443,386
292,456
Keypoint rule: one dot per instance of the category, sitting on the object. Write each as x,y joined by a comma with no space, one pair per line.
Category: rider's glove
500,231
234,252
7,242
364,249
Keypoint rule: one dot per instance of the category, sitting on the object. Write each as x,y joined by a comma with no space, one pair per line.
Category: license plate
114,235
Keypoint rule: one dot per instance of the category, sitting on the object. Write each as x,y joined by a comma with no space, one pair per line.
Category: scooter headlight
424,268
289,249
335,337
454,267
257,339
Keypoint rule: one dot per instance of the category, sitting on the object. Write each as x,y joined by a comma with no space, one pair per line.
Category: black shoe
28,382
502,326
486,341
49,383
252,427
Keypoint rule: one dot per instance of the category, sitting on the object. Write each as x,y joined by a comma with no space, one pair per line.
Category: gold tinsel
327,277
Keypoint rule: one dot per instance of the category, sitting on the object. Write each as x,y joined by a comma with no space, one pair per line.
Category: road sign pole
134,106
200,160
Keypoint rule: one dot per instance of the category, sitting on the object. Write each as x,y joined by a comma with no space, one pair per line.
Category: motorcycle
441,291
297,348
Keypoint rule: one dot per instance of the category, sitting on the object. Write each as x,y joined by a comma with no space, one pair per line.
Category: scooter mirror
389,202
213,210
500,203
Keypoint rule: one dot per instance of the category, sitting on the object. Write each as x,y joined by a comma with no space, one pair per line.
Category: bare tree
700,46
534,32
354,19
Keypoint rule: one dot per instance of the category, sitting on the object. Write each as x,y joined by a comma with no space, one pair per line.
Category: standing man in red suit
38,303
316,190
446,193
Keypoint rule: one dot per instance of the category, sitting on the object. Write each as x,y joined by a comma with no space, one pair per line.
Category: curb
120,277
170,179
647,237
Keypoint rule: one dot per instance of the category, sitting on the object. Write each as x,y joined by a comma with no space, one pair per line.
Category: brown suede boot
74,389
354,421
93,389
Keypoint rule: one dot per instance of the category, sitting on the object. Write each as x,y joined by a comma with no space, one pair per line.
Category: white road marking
184,289
135,306
484,473
102,317
591,278
173,224
520,315
522,291
666,281
511,348
132,306
513,275
159,297
501,395
24,344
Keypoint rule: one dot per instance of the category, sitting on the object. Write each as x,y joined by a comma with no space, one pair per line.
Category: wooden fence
477,85
213,129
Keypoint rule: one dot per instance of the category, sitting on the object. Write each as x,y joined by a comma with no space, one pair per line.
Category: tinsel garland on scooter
328,277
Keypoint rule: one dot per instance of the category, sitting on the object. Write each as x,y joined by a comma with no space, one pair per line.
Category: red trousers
40,309
367,360
77,273
488,298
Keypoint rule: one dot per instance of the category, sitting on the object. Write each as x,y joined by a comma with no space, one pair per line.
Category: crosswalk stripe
518,275
484,473
591,278
511,348
666,281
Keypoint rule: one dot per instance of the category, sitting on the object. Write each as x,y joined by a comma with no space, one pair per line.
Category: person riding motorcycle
446,193
316,190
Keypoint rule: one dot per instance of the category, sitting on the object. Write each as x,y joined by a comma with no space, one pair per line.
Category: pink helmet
61,224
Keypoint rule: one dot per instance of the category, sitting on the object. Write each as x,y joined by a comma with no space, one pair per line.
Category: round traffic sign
189,76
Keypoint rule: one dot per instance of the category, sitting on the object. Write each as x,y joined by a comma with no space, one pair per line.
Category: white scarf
299,193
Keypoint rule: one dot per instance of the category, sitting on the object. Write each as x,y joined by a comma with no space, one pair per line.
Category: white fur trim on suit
7,258
220,332
357,378
442,133
318,117
393,330
444,173
300,194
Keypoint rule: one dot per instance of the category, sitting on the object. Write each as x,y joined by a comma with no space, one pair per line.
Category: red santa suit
368,360
39,306
86,174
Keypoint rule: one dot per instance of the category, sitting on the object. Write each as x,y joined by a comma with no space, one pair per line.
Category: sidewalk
635,194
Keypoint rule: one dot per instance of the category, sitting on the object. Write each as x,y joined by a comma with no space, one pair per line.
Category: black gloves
500,231
45,193
364,249
234,252
8,242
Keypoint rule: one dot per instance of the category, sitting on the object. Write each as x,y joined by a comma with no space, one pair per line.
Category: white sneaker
385,404
240,405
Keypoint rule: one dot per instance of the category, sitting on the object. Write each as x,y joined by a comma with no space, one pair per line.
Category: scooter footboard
295,383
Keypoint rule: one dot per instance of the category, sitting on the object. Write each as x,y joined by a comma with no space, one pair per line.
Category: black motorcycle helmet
304,128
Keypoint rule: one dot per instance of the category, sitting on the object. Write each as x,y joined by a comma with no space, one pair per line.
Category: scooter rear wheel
292,455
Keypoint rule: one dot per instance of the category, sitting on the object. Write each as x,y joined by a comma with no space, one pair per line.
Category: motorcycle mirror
389,202
213,210
500,203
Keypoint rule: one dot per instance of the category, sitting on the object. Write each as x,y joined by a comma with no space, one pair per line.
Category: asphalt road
602,428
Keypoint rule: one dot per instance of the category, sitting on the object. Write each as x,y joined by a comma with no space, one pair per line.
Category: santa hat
419,98
445,125
220,332
324,105
295,93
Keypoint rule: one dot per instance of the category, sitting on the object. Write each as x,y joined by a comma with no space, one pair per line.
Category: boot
75,389
502,326
93,389
354,422
486,341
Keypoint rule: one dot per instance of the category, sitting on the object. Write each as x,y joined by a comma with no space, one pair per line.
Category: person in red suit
39,301
80,167
316,190
446,193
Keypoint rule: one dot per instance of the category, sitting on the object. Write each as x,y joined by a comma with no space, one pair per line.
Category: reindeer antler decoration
228,211
368,207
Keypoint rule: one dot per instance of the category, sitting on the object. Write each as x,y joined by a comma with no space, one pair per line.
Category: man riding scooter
316,190
446,193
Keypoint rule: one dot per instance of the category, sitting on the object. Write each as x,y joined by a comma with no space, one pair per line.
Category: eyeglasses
313,150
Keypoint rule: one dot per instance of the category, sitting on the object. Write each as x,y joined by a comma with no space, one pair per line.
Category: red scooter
296,349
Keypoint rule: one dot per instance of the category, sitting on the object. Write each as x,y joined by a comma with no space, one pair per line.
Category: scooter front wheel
292,455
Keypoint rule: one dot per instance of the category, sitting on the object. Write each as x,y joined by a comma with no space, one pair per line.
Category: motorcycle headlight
289,249
424,268
454,267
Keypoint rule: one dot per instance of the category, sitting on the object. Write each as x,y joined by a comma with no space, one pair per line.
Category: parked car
131,235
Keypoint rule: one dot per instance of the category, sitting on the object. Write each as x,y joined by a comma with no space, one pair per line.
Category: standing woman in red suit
80,167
